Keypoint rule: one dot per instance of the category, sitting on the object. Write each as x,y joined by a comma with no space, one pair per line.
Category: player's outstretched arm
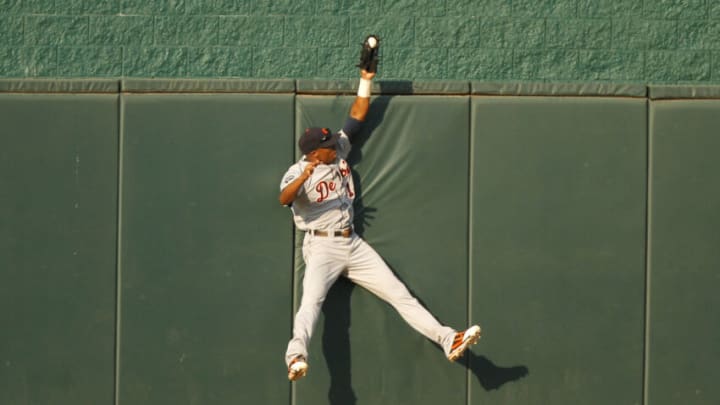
361,105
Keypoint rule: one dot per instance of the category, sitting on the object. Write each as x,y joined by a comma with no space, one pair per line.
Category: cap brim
330,143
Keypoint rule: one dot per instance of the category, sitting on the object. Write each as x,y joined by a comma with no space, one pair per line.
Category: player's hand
310,168
366,75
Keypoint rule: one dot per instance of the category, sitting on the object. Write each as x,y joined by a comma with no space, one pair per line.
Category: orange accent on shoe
462,340
458,340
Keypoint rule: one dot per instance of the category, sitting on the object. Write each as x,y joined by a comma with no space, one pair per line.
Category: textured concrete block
579,34
695,35
269,63
56,30
673,67
316,32
512,33
90,61
121,30
246,31
673,9
217,7
612,65
340,63
456,32
38,6
414,7
11,62
545,65
155,7
544,8
473,64
155,62
396,31
186,30
610,8
415,63
479,8
220,62
39,61
11,6
345,7
80,7
283,7
11,30
691,66
714,9
644,34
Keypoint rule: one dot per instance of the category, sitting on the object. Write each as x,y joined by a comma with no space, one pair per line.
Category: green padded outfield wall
206,250
410,165
58,205
684,242
557,246
577,223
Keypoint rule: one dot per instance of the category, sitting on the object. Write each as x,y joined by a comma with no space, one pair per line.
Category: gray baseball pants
326,259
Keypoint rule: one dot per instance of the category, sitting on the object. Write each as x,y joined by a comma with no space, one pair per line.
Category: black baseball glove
369,57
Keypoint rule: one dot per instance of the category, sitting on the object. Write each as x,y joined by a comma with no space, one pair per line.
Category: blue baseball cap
316,137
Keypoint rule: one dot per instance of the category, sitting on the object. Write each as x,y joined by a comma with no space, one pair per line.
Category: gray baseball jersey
325,201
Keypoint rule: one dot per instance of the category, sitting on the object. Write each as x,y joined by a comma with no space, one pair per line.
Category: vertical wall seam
471,165
118,247
648,251
293,281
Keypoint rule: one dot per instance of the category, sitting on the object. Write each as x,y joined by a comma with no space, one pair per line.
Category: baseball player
319,190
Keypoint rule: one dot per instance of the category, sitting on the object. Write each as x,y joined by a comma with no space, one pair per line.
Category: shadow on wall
336,309
336,349
376,115
490,376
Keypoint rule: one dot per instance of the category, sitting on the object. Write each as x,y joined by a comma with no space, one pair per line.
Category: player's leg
324,263
370,271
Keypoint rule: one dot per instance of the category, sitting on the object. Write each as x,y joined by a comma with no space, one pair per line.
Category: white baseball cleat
297,369
462,341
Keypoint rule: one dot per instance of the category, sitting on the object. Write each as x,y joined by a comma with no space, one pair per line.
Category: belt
345,233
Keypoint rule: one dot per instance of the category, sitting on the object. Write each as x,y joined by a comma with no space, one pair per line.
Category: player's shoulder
291,174
295,168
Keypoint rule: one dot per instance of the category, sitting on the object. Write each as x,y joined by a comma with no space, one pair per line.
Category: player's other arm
290,192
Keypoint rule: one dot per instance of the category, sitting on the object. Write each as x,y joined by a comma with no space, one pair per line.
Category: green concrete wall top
491,40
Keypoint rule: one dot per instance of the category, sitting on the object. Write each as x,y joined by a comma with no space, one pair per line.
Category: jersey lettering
324,188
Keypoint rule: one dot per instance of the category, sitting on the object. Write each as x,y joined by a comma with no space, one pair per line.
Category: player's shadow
365,214
336,342
489,375
337,353
376,115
